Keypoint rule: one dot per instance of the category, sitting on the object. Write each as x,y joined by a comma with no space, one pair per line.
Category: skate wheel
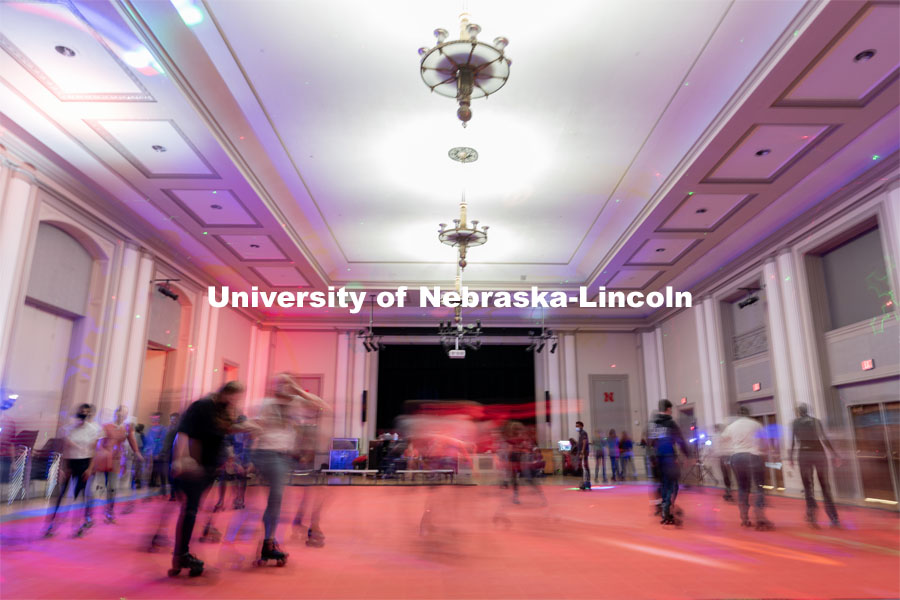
259,562
282,562
196,572
174,572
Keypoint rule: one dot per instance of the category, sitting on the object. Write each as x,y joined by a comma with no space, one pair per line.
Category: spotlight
553,348
540,347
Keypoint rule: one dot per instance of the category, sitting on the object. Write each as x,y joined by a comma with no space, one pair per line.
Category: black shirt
200,423
809,435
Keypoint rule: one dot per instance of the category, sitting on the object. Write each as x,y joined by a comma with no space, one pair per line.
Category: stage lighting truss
370,341
456,336
544,339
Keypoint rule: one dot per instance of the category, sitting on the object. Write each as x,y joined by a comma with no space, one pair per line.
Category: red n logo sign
608,397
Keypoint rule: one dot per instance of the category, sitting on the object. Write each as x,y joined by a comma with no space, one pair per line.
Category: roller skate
271,551
186,561
585,486
238,505
811,519
157,542
110,519
83,529
49,532
315,538
835,524
746,523
211,535
764,525
219,507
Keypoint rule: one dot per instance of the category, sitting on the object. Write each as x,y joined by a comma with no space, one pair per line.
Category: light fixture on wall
464,69
370,341
164,288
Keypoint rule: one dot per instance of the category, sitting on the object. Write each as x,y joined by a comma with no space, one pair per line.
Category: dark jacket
664,434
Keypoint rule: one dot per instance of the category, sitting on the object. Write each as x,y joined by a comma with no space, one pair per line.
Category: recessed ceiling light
700,211
254,245
763,152
660,249
65,51
216,206
158,148
864,56
463,154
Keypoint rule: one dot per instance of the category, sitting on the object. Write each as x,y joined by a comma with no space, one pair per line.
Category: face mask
578,429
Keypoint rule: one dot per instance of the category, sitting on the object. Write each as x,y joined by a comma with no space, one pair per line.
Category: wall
232,345
596,353
682,364
310,353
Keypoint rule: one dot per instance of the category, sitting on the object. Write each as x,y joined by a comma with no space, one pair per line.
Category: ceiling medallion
465,68
463,154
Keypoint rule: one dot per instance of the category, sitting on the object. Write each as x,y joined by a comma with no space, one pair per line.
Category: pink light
612,366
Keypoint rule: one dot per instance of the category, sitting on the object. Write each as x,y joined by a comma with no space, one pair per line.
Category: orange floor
601,544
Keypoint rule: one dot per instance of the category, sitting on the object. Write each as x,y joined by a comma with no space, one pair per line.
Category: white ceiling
308,125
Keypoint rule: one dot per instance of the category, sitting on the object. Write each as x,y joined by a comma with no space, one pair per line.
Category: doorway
876,437
229,372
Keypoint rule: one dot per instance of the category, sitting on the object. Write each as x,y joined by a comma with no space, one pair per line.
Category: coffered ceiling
289,144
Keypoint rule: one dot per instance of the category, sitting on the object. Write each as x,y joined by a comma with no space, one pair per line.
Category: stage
474,543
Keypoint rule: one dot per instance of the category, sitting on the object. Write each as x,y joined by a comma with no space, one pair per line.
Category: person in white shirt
723,453
745,438
79,441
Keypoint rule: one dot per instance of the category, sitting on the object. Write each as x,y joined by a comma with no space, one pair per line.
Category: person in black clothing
582,454
808,433
195,458
663,435
166,454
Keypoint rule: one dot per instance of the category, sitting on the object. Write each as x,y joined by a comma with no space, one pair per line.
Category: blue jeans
614,467
668,479
601,464
274,467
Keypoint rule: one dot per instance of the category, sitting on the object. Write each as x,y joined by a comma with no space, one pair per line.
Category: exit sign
684,400
756,387
868,364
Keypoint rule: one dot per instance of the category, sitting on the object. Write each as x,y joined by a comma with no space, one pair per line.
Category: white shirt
743,436
279,422
80,440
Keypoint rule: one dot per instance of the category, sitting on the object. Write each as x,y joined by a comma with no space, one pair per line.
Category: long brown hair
224,418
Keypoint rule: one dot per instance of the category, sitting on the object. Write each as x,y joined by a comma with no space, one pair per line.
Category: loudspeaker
365,401
547,405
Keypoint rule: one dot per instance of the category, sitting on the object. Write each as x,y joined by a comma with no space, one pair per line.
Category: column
576,411
120,326
708,402
716,357
803,386
661,363
342,373
651,372
208,374
16,227
372,396
202,312
781,363
558,420
259,364
358,384
137,335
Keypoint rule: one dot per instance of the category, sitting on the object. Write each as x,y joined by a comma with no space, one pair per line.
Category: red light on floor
756,387
868,364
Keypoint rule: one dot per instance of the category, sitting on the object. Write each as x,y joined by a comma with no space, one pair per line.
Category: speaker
547,405
365,401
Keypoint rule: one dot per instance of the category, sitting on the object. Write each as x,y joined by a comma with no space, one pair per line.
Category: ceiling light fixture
216,206
763,152
864,56
463,154
65,51
158,148
370,341
546,336
660,249
465,68
462,235
254,245
700,211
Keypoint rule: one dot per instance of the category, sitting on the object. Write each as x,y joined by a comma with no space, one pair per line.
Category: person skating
663,436
109,456
744,438
807,433
79,443
195,457
582,454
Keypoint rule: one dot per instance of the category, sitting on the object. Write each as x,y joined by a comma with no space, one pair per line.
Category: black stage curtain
489,375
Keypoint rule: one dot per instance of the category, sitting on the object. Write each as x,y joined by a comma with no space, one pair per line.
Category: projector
748,301
457,353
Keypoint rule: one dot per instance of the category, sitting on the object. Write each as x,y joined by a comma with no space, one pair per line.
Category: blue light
702,436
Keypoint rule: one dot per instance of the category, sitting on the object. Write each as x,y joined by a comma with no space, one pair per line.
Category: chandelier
463,235
465,68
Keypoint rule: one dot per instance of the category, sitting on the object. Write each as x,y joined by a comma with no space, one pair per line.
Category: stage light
553,348
540,347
